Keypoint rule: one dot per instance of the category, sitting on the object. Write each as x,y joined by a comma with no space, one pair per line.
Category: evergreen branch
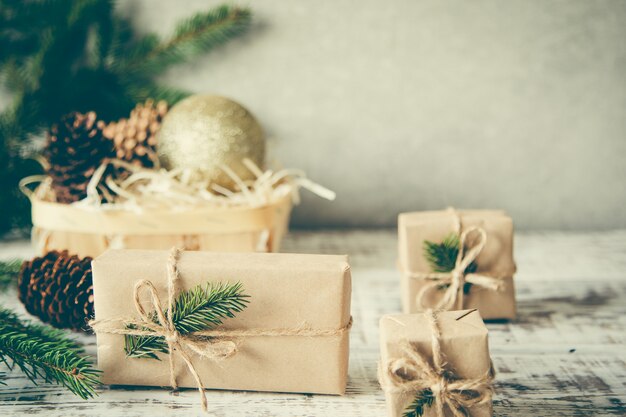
140,90
423,399
81,56
101,36
83,9
204,308
442,257
198,309
198,34
144,346
121,37
17,76
9,271
19,37
44,353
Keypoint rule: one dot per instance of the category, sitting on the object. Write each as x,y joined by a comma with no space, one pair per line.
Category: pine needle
423,399
200,308
204,308
442,257
198,34
9,271
43,353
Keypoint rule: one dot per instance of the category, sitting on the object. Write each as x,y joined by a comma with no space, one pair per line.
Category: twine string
412,373
213,344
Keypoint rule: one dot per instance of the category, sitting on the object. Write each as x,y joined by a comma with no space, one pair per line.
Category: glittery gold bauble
204,133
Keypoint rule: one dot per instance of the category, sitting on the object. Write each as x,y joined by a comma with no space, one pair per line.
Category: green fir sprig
43,353
423,399
193,36
9,271
442,257
201,308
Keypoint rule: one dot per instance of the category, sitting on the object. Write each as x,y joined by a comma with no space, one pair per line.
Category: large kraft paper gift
487,240
306,295
436,365
87,232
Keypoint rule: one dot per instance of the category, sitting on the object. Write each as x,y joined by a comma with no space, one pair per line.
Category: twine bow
182,344
412,373
212,344
456,279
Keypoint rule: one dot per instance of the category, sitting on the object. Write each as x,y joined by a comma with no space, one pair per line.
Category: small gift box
282,325
436,365
450,260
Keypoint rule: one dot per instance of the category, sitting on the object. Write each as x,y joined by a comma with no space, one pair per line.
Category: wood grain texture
564,356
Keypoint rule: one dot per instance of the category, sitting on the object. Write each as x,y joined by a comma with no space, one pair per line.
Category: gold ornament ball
205,132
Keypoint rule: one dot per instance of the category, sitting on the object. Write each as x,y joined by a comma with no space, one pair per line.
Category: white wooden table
564,356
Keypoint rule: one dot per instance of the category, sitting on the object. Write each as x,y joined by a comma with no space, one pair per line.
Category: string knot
440,387
457,276
172,337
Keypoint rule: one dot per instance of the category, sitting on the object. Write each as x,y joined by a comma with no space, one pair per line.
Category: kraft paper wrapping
464,344
286,290
495,260
89,233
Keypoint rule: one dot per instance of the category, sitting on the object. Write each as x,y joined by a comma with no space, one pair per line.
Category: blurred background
411,105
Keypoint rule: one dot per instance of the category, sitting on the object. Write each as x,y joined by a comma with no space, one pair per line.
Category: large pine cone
58,289
74,150
135,138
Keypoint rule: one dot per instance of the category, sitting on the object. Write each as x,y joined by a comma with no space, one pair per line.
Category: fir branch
442,257
423,399
200,308
198,34
144,346
44,353
101,35
9,271
140,91
204,308
81,56
19,37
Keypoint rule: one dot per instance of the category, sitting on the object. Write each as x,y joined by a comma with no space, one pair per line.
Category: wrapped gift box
286,291
495,260
464,350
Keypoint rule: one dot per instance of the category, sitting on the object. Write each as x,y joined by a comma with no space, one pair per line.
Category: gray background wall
405,105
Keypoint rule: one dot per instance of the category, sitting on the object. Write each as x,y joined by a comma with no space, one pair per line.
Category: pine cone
135,138
74,150
58,289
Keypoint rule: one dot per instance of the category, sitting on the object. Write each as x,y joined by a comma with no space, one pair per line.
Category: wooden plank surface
564,356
